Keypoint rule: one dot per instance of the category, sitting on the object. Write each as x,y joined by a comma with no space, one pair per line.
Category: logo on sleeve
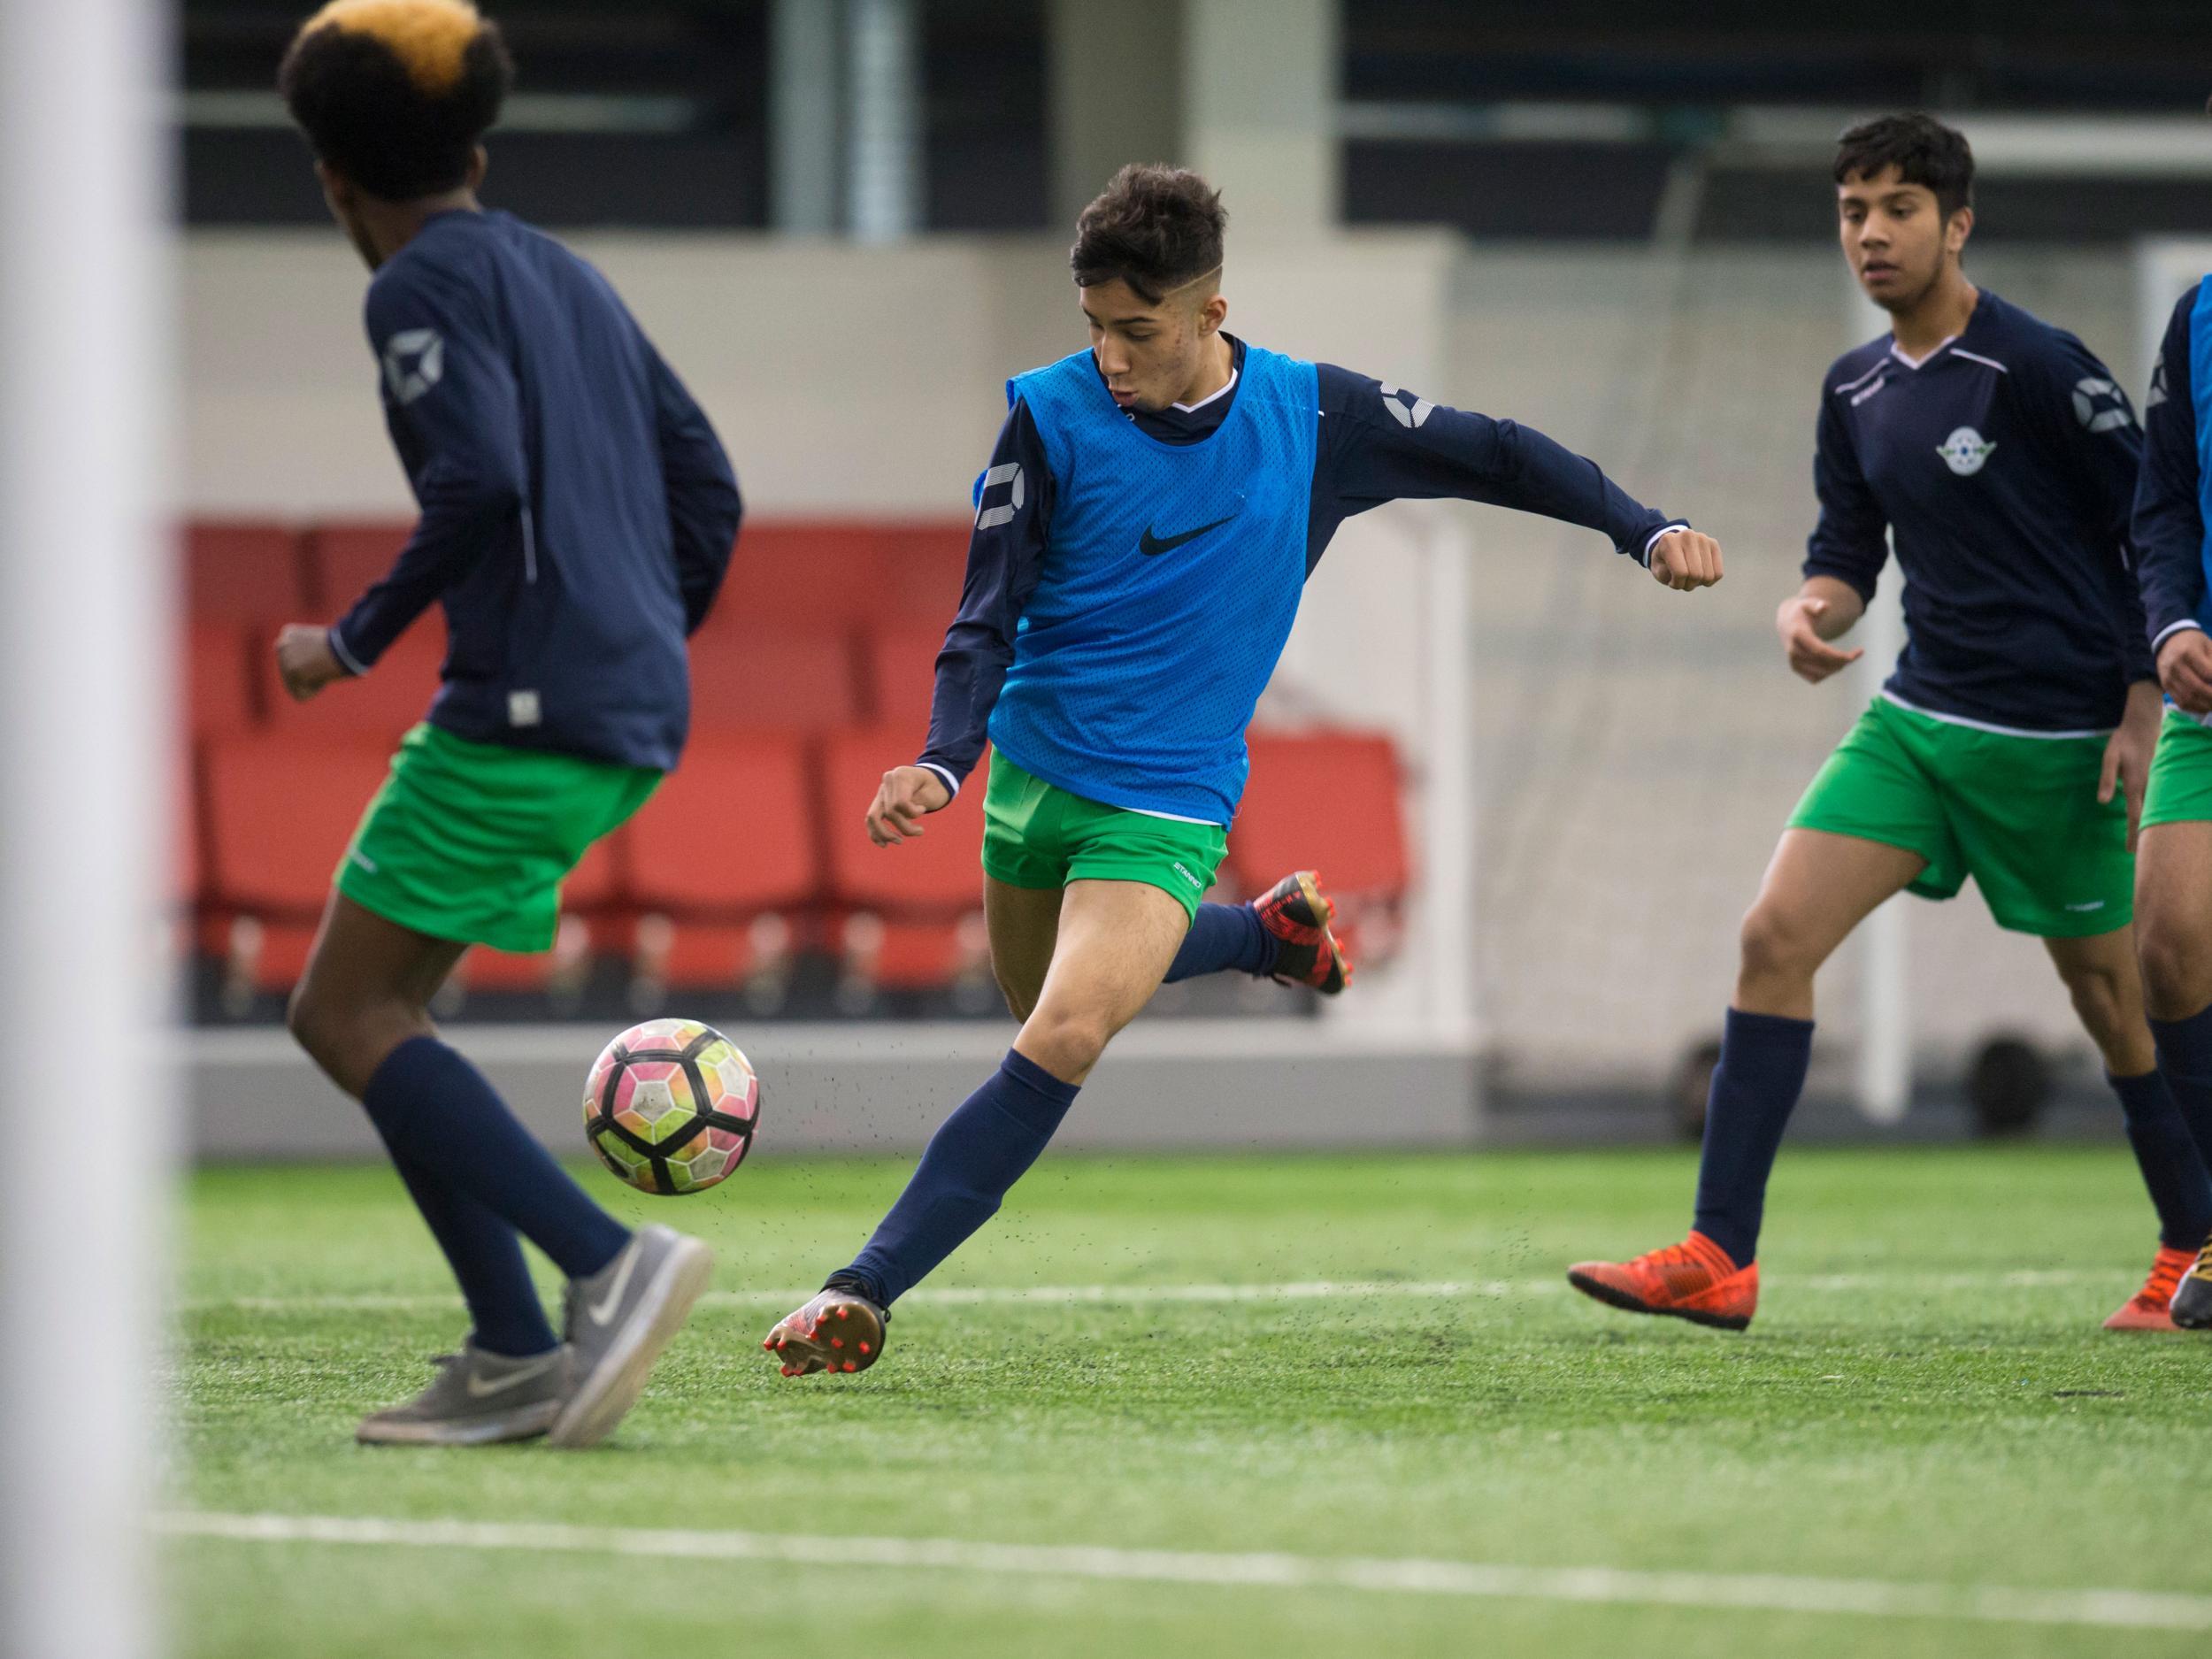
1965,452
1406,414
414,361
2158,383
2102,406
990,514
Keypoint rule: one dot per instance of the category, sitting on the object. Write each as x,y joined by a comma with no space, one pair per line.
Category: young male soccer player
1147,523
2011,744
2173,877
577,517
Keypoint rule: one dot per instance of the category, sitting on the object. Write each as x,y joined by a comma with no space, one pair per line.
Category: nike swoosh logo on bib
1152,545
482,1388
602,1311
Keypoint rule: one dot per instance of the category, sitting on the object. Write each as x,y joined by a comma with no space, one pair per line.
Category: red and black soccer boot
839,1330
1297,913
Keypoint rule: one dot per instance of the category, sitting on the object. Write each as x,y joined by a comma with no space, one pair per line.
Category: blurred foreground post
85,710
1882,1083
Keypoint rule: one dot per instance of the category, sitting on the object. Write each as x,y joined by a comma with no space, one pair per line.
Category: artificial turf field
1925,1400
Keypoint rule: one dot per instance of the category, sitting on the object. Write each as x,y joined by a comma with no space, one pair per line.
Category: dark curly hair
1154,228
395,95
1923,149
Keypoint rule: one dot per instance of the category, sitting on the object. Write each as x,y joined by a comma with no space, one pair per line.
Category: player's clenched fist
906,796
1686,560
1812,657
304,660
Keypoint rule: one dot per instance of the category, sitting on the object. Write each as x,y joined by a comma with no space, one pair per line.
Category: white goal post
86,708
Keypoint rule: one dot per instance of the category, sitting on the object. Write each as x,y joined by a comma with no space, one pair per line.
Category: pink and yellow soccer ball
670,1106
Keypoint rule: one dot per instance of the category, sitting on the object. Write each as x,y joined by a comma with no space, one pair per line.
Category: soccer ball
670,1106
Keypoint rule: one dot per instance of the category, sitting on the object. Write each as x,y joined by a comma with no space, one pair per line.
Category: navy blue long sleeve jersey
2170,492
578,511
2004,465
1376,444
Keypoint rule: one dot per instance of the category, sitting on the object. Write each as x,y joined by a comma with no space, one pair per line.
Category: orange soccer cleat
2150,1309
1695,1280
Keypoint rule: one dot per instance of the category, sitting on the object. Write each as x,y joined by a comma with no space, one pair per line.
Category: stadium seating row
808,683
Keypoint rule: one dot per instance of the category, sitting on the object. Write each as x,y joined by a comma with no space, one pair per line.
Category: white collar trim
1213,397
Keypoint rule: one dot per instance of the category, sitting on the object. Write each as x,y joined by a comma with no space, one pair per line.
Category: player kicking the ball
577,517
2011,743
1141,537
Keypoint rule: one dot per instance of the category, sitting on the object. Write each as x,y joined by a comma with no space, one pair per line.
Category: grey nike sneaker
475,1399
619,1319
2192,1306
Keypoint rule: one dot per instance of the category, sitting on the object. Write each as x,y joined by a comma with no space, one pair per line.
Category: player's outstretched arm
1378,442
1823,609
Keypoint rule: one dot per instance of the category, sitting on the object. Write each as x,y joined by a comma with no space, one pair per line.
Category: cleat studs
843,1312
864,1348
850,1366
837,1341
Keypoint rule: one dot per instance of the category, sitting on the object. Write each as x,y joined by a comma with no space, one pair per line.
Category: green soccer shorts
2180,789
1036,834
470,842
2019,814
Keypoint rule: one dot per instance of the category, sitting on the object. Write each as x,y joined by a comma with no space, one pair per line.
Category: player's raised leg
1286,933
2173,900
2101,977
1114,939
1819,886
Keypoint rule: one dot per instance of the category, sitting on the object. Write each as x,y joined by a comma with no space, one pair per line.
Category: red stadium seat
936,878
748,676
280,814
344,558
380,704
596,881
924,566
823,575
1330,801
220,699
731,834
243,573
902,663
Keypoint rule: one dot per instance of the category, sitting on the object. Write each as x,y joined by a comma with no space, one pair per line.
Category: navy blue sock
1755,1086
435,1110
2185,1060
1224,937
2173,1169
486,1256
978,1152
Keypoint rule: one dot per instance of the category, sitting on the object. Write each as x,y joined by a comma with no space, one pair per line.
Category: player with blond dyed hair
578,514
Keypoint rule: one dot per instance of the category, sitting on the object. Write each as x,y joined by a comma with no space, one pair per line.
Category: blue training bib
1171,579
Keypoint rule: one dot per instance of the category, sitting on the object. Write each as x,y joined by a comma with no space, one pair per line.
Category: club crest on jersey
1965,452
2101,406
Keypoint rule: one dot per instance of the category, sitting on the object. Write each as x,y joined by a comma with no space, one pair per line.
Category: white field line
1139,1295
2132,1609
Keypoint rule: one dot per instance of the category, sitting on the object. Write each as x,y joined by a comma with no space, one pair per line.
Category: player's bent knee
2176,965
1774,946
1066,1042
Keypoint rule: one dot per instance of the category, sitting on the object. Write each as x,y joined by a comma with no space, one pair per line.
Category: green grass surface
1898,1412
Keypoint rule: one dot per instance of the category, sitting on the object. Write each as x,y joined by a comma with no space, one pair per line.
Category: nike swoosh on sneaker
1152,545
603,1311
484,1387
